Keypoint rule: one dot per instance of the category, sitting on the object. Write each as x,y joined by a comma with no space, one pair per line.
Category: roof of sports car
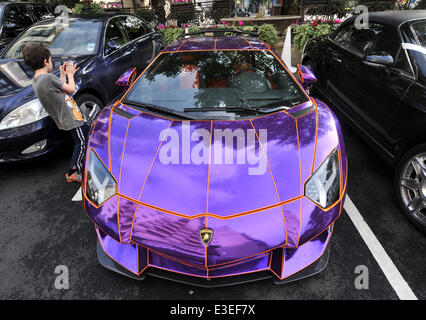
217,43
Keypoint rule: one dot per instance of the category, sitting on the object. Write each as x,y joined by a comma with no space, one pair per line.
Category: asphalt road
42,228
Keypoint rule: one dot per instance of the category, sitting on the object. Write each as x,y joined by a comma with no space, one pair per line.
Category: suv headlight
100,185
324,185
29,112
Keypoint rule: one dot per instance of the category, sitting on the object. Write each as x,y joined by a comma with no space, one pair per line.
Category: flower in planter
160,26
337,21
314,24
241,23
228,24
223,22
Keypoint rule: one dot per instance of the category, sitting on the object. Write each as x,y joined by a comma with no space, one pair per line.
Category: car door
118,53
142,35
386,86
370,94
16,19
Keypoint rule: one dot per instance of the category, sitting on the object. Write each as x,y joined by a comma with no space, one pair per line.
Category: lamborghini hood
243,179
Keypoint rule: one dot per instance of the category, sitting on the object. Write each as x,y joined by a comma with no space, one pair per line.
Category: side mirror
306,76
127,78
10,25
9,29
111,46
380,59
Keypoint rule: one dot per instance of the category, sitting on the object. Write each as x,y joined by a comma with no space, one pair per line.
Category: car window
76,38
343,35
115,32
418,58
419,29
41,12
135,27
401,62
217,79
377,38
17,18
385,40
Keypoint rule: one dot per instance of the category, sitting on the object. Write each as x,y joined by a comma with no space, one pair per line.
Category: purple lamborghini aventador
215,168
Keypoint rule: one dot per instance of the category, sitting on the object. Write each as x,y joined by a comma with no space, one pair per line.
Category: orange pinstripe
273,180
146,178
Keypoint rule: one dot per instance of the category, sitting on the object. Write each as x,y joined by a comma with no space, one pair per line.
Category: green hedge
267,32
302,33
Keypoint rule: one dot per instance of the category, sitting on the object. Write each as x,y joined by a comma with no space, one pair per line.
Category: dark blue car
103,45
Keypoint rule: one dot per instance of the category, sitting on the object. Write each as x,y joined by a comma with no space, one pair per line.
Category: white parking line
77,196
395,278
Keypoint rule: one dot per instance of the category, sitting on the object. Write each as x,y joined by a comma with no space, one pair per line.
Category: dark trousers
79,135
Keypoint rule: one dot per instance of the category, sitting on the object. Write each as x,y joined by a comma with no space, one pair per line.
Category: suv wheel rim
412,184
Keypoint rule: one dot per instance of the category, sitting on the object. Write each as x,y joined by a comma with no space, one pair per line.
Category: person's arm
63,75
70,71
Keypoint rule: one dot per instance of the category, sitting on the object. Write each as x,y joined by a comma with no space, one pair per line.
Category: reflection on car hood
180,170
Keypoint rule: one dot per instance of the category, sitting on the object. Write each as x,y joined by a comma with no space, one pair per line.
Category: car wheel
410,186
90,105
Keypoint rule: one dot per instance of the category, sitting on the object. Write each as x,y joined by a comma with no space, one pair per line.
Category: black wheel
410,186
90,105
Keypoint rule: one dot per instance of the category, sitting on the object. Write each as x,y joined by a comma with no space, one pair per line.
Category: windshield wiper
279,105
228,108
268,108
142,106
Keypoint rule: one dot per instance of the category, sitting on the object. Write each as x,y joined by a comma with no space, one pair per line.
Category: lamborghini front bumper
282,264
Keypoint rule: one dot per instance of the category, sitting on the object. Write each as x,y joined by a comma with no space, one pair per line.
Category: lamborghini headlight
323,186
100,185
29,112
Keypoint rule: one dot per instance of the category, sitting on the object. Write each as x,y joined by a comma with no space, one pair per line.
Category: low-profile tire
410,186
90,105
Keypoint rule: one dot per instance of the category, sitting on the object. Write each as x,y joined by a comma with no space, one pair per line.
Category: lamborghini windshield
200,81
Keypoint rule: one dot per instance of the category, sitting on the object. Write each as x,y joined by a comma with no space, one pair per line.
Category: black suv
15,17
375,76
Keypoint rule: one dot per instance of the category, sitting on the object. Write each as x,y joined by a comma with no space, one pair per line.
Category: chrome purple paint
126,78
161,208
284,262
306,75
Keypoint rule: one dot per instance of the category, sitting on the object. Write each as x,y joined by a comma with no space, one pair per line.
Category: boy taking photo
53,93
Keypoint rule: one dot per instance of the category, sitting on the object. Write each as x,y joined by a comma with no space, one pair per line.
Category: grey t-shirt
59,105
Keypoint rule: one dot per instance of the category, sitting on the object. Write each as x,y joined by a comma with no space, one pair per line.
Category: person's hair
34,55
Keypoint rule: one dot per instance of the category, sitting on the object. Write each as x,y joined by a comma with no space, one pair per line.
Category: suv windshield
198,81
76,38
